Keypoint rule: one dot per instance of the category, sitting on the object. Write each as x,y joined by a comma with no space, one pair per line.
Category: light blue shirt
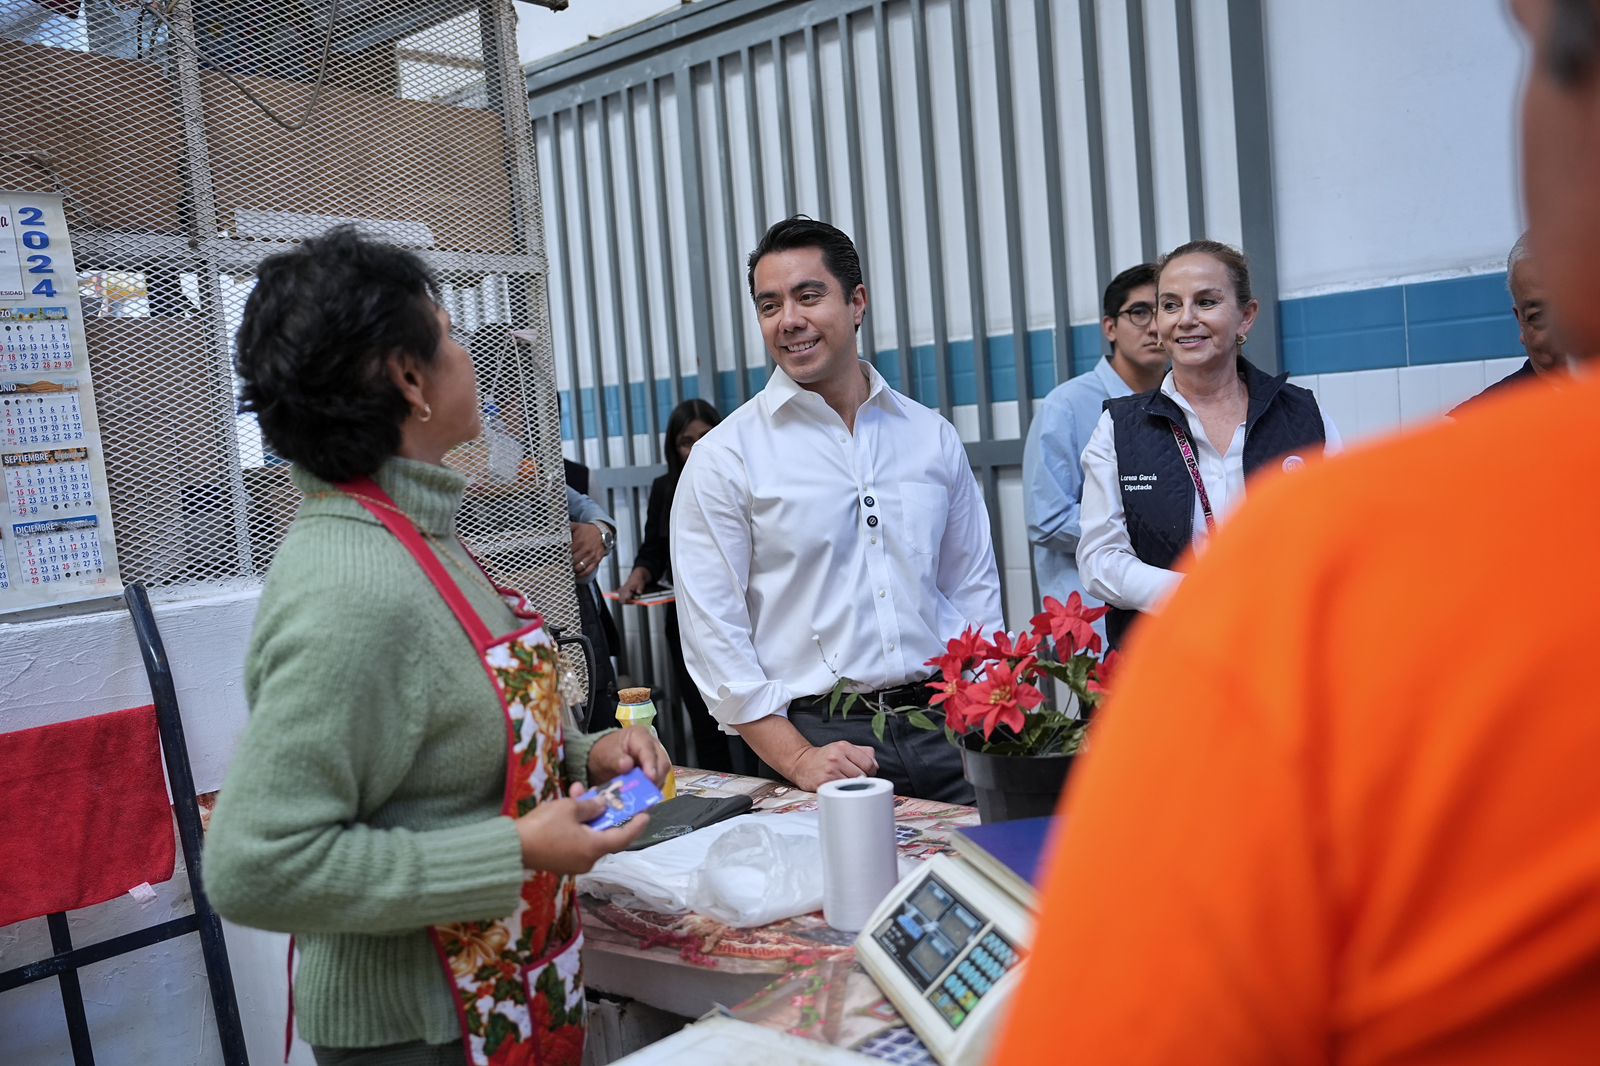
581,508
1052,473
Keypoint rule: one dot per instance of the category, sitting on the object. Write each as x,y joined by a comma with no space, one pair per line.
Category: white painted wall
1394,140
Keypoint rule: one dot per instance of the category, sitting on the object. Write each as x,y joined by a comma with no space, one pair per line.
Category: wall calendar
56,539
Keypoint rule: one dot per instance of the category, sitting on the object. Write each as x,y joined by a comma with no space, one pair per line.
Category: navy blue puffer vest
1158,496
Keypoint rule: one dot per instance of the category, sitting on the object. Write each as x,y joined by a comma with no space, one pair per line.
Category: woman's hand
631,589
617,753
554,837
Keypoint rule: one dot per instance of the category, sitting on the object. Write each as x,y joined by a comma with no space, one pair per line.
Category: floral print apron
517,982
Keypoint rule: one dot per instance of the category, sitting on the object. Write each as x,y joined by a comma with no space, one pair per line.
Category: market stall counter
797,974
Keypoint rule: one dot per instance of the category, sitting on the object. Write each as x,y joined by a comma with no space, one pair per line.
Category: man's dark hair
1572,42
313,350
838,251
686,412
1230,257
1133,278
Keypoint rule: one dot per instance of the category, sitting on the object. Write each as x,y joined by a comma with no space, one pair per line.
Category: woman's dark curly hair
313,351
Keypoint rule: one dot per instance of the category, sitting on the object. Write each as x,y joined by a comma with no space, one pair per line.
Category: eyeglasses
1138,315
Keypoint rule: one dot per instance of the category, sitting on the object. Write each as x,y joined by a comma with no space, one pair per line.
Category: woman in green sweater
403,799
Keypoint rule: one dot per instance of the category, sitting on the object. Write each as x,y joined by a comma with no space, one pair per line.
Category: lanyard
1194,474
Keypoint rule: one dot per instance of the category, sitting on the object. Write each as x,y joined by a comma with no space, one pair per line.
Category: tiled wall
1425,324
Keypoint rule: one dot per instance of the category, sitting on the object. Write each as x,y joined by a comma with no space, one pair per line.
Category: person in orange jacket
1344,805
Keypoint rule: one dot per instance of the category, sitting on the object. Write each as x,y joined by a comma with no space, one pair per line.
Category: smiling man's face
808,320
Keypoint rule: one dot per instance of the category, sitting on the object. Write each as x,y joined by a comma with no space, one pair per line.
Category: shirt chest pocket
923,509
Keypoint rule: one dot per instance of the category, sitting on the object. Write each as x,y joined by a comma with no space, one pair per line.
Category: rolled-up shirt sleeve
581,508
1110,569
711,573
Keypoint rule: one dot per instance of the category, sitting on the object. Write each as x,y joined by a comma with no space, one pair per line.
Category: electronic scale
946,946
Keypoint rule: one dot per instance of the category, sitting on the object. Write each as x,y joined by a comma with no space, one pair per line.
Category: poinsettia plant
989,689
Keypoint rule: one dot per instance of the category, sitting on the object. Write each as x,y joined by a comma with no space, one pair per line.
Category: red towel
83,813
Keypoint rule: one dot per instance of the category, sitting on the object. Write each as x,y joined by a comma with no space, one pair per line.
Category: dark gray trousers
920,763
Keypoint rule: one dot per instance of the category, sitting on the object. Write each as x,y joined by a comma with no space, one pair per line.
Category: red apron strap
288,1025
368,494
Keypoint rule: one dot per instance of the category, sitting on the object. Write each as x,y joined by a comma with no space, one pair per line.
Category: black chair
68,960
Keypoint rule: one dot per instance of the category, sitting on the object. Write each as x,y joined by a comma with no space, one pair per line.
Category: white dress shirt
1106,561
803,552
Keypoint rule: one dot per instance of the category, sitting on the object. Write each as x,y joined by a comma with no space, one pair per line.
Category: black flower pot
1015,786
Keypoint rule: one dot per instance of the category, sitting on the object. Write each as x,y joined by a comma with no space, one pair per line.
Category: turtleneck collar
429,495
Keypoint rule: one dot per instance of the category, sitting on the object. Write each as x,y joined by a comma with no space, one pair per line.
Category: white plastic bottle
505,451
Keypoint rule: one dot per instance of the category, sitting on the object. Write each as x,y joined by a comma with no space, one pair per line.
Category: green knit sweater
363,803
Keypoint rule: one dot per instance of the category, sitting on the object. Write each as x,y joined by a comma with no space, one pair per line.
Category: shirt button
891,647
872,519
882,593
869,501
874,540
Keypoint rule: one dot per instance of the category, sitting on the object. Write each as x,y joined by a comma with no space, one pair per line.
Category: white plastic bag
772,870
754,875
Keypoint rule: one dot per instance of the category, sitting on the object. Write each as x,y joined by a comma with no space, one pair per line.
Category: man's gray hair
1519,252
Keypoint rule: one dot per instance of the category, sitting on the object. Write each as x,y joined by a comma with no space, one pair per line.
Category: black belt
911,694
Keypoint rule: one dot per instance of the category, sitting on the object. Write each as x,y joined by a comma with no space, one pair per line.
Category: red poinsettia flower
1001,699
1070,625
539,892
953,695
1007,646
970,648
950,666
1100,676
515,1053
564,1047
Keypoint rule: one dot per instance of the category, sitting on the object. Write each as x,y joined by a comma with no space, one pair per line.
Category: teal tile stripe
1430,322
1454,320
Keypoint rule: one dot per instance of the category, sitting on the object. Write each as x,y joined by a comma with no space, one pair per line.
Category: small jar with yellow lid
636,707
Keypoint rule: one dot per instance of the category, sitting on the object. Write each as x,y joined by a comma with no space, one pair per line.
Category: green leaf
879,720
921,720
833,697
849,702
501,1029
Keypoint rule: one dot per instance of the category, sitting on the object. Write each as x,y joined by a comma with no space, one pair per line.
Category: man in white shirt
830,528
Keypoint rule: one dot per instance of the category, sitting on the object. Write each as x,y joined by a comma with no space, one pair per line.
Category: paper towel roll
858,852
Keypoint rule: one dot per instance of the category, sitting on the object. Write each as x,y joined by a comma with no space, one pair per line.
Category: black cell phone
680,815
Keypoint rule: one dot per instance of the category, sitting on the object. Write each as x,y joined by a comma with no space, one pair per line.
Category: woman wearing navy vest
1163,467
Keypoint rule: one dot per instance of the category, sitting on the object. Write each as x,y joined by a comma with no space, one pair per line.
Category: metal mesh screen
192,138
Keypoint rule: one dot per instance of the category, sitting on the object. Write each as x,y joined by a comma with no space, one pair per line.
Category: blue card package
624,797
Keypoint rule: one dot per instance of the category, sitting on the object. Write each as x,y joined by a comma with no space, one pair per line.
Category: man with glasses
1052,470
